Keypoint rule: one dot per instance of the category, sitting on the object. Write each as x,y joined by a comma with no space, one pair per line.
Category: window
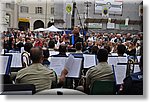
24,9
38,10
8,5
52,10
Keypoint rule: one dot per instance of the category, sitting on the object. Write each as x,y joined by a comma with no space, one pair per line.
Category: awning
23,20
59,21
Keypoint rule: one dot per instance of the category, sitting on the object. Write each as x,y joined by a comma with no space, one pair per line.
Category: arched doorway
23,26
50,24
38,24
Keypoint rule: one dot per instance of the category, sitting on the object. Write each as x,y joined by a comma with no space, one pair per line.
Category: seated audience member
131,51
121,49
133,84
51,45
78,47
108,49
94,50
38,74
62,51
102,71
46,56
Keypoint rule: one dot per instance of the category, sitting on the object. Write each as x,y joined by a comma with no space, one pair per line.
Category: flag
69,8
105,11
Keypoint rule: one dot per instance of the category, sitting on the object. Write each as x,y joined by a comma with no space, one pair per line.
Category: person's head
141,63
94,50
121,49
36,54
78,46
76,31
62,48
51,44
107,48
46,53
102,55
27,47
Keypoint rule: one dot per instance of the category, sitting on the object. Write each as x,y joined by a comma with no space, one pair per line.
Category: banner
115,7
69,8
105,11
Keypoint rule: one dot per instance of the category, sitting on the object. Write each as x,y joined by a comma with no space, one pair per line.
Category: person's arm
63,76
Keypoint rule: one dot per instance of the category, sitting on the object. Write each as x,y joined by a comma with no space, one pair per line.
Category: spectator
38,74
62,51
121,49
94,50
46,54
78,47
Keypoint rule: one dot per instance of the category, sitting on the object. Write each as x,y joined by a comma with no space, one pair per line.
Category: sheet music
3,63
112,60
57,64
115,60
69,62
120,73
16,60
122,60
75,69
72,64
89,60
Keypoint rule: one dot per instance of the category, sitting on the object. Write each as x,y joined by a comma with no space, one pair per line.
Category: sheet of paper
89,60
115,60
122,59
69,62
4,62
76,68
16,60
57,64
112,60
120,73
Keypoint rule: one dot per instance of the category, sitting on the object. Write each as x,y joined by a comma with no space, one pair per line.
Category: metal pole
46,14
73,15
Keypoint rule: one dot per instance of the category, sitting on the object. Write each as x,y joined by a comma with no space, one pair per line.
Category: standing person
76,36
38,74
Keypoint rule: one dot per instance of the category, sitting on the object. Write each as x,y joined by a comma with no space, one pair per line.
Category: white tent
40,29
53,29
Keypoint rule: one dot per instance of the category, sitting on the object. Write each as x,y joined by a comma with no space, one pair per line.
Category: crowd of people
38,44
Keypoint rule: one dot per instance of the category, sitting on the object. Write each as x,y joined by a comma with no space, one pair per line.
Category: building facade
33,14
123,15
28,15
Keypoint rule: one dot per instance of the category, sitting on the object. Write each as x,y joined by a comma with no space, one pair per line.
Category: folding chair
18,89
103,88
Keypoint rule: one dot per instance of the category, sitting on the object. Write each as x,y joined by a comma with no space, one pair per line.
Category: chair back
103,88
18,89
